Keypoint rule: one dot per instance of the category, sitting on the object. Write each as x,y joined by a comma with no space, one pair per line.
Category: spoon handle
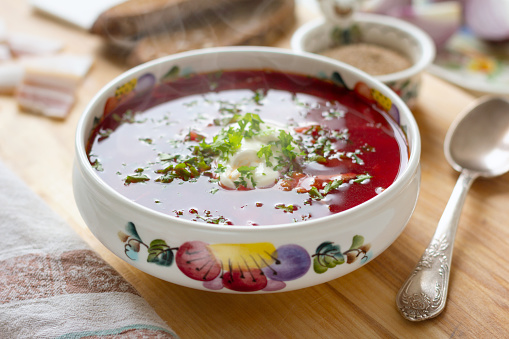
424,293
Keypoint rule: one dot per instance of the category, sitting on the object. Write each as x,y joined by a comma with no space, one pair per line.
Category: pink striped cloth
53,286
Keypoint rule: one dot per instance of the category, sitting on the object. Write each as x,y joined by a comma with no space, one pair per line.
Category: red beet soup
255,147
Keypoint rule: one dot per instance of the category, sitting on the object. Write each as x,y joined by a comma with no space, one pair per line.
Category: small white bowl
394,34
159,244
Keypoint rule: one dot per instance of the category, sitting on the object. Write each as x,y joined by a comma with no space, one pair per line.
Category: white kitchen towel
52,285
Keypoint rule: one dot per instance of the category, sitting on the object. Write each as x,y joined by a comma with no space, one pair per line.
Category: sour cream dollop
263,175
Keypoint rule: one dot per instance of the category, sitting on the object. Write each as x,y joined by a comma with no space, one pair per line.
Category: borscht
248,147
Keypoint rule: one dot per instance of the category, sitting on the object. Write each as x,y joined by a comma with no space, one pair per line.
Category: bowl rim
82,164
424,40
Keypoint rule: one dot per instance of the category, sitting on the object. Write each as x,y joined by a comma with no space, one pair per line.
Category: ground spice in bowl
371,58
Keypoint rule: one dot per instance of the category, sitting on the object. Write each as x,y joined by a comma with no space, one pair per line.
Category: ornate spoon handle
424,294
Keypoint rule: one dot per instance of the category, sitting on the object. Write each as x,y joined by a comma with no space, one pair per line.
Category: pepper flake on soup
256,147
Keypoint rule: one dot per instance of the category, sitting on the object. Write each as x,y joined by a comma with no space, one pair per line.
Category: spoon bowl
477,144
479,139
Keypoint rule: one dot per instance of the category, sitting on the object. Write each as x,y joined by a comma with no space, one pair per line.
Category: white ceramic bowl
385,31
156,243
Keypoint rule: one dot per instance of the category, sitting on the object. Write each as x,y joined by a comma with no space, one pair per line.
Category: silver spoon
477,144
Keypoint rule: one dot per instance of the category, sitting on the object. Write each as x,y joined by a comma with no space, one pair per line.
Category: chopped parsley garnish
286,144
105,133
209,218
226,107
318,142
146,140
138,177
314,143
361,178
317,194
266,152
246,173
258,96
298,102
333,114
97,165
191,103
355,158
127,117
220,168
184,168
332,185
226,143
214,220
287,208
227,120
280,154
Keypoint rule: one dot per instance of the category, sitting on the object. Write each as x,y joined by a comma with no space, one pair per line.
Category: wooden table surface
360,304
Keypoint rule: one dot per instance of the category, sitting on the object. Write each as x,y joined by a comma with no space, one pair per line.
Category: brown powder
372,59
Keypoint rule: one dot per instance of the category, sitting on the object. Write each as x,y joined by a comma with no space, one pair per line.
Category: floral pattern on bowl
246,267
